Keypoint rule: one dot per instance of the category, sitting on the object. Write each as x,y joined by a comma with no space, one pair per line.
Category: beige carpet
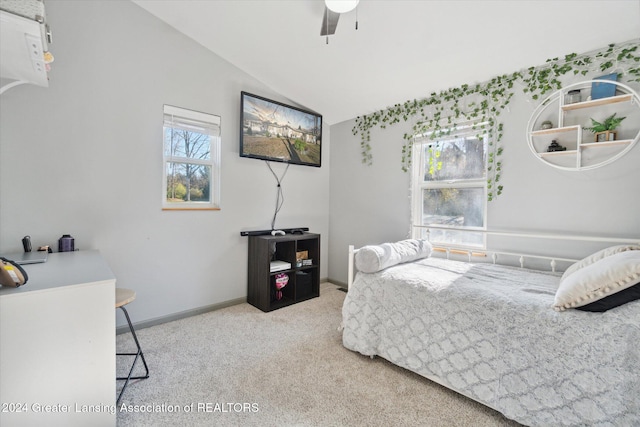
241,367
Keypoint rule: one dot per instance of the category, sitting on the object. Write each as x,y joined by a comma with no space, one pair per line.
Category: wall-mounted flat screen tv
270,130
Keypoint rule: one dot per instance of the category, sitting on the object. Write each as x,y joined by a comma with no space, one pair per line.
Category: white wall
370,204
84,157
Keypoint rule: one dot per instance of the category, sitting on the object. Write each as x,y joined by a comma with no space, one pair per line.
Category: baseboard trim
338,283
187,313
180,315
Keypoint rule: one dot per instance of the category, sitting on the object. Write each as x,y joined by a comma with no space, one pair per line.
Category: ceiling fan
332,11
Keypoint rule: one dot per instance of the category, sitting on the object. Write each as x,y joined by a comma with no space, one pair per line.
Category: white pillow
599,279
372,258
598,256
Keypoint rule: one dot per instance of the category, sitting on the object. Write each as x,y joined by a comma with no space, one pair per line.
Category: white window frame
181,118
418,184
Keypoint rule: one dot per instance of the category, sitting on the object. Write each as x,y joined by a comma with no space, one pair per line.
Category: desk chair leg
133,365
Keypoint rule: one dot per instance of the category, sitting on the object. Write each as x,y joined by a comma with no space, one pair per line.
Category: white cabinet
569,120
57,344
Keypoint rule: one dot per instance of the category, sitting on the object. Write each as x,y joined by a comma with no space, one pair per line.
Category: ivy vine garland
440,113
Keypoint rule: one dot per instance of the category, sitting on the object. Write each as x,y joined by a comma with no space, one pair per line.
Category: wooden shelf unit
304,280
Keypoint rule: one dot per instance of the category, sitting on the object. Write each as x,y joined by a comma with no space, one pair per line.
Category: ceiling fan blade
329,22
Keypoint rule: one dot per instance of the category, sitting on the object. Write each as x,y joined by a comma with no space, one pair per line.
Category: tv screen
270,130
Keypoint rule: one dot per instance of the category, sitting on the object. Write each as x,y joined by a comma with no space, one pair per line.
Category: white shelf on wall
582,152
597,102
557,153
606,143
554,131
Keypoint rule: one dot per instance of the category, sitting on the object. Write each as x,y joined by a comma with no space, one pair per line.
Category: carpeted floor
239,366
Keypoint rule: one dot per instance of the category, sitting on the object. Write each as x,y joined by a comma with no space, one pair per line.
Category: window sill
190,208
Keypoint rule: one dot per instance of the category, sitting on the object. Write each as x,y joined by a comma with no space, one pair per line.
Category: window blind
190,120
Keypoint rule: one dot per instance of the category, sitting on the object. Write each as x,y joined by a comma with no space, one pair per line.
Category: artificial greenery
440,113
610,123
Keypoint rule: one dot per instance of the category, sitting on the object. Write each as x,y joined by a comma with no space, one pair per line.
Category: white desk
57,344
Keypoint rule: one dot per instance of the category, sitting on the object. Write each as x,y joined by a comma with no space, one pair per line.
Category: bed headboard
495,255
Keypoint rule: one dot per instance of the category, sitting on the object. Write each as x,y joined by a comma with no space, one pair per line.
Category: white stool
124,297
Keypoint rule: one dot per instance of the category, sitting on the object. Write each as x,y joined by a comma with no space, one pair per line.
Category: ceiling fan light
341,6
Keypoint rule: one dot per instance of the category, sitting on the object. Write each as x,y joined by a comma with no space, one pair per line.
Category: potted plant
605,131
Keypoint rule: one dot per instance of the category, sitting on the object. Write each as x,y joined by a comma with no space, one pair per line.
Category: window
449,188
191,160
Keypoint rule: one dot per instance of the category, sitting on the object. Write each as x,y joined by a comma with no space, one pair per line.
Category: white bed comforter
489,332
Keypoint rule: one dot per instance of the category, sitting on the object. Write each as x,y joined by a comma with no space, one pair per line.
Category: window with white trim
191,159
449,186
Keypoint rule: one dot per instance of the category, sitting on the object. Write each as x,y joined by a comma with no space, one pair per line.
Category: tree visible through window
450,186
191,159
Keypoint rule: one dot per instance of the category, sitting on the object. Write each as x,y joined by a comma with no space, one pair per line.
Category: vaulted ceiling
402,50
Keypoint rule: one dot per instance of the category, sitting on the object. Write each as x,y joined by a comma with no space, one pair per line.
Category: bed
514,339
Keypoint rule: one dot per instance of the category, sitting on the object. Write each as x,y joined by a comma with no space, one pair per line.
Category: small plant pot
607,135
